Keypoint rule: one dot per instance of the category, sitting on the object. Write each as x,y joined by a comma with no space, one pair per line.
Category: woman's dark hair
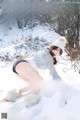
53,47
54,61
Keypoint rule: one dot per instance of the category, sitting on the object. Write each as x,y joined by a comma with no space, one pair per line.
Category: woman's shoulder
41,52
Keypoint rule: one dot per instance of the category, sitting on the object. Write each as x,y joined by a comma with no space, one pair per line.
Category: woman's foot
30,100
12,95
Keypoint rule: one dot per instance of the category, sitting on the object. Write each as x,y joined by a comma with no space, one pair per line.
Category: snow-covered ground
60,100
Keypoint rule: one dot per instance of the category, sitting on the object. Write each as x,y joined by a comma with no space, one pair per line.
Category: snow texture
59,100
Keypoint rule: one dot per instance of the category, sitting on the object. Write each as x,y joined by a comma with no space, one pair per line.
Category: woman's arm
49,61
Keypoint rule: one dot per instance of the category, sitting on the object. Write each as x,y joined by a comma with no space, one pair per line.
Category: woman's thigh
25,70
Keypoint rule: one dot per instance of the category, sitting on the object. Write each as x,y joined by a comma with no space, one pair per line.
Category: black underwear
16,63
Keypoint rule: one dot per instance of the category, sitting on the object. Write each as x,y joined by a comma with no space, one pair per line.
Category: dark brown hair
53,47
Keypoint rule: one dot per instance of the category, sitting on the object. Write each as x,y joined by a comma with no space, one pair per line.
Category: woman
27,72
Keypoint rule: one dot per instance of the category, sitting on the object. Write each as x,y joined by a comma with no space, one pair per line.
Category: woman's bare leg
30,75
30,89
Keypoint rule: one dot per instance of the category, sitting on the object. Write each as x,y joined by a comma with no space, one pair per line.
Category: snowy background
60,100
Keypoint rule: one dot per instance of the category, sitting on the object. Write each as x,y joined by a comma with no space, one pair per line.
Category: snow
60,100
